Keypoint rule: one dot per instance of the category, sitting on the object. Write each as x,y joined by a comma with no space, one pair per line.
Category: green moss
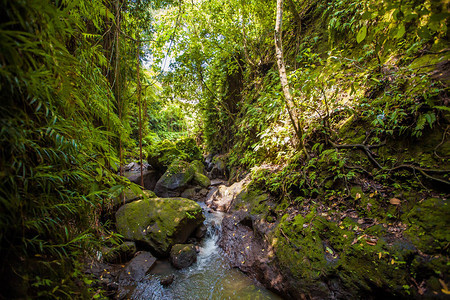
189,147
428,225
177,175
160,222
312,248
376,230
165,152
198,166
252,199
201,180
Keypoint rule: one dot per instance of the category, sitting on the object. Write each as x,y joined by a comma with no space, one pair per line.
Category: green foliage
163,153
60,125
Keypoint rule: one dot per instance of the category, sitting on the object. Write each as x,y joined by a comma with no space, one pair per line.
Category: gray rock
183,255
138,267
128,167
188,193
175,179
166,281
200,232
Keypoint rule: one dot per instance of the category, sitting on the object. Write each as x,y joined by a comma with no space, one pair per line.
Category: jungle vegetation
88,86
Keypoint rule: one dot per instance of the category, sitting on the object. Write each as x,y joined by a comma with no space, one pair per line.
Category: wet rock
183,255
150,178
188,194
120,253
221,198
247,251
167,280
136,269
200,232
175,179
159,222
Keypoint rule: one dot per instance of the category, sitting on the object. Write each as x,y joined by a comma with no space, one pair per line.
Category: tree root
370,155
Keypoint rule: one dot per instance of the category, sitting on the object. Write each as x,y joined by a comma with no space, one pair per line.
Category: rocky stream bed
197,238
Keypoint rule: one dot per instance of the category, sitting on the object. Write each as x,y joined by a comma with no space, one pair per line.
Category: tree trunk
116,80
282,69
138,67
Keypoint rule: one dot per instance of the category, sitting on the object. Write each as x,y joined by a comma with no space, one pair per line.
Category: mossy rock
198,166
190,148
183,255
175,179
252,199
165,152
428,225
130,195
159,222
315,250
201,180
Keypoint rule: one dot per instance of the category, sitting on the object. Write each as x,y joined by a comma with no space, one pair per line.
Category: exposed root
370,155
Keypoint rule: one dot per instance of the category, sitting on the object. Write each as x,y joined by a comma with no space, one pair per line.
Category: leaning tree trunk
138,70
283,76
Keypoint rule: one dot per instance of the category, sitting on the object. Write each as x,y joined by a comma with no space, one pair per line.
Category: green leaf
443,108
431,118
424,33
362,33
366,15
400,31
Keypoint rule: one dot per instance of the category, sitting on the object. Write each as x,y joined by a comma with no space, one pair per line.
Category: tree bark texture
282,69
138,68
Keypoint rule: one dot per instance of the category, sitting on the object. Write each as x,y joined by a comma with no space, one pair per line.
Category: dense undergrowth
370,86
67,109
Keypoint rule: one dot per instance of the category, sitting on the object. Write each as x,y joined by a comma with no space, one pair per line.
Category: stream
209,278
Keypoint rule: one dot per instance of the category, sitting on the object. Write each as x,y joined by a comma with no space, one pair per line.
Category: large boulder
175,179
183,255
128,195
159,222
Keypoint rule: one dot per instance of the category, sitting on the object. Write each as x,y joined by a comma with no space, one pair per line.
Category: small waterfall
209,248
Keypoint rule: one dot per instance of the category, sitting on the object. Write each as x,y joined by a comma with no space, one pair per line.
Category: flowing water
209,278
